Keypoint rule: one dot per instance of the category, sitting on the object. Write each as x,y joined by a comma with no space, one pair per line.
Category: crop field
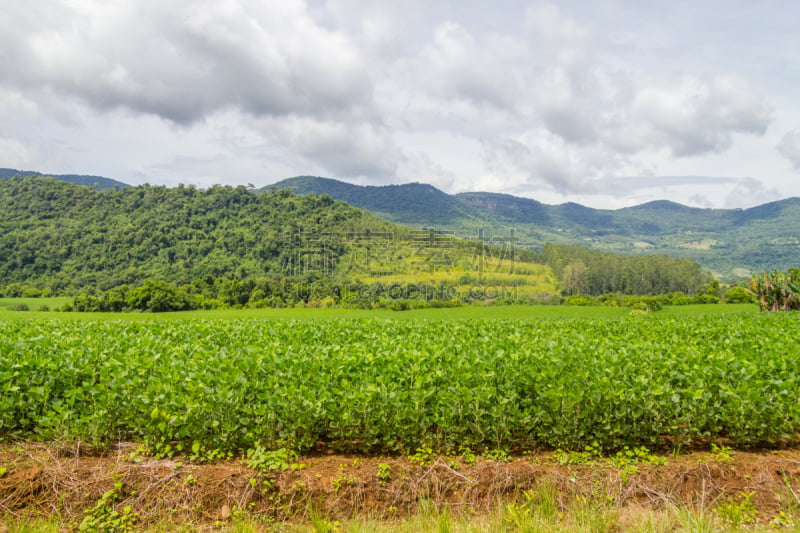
383,385
516,312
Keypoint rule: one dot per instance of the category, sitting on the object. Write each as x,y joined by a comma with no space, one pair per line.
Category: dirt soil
44,480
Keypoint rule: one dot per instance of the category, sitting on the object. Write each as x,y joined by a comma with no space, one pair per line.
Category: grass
528,516
516,312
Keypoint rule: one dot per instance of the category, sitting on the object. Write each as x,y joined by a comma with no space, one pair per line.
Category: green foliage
589,454
777,291
722,240
739,295
384,472
67,237
260,458
721,454
738,511
590,272
636,455
499,454
105,517
203,387
423,456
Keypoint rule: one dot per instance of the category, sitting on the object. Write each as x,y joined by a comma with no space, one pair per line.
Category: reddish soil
41,480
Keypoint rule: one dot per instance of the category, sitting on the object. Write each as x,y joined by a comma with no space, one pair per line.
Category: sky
608,103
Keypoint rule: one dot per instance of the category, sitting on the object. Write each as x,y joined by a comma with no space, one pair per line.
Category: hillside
730,242
413,203
98,182
66,237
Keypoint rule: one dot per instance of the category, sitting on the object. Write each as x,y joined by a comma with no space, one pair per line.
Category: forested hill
412,203
97,182
730,242
64,236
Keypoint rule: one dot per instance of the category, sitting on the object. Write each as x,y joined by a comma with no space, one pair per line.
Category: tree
573,279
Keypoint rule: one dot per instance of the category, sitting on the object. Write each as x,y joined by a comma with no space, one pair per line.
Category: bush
578,300
740,295
19,307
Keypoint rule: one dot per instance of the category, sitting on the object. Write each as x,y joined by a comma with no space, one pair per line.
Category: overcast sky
608,103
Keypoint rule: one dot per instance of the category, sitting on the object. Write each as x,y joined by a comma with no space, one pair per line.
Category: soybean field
215,387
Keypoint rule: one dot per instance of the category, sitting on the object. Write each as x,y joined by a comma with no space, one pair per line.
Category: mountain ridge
730,242
77,179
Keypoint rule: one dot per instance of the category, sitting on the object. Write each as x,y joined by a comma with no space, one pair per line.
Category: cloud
188,60
380,92
457,64
556,35
381,28
789,147
14,154
692,116
348,149
750,192
543,158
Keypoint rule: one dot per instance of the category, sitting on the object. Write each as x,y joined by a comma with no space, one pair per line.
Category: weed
739,511
423,456
499,454
342,479
721,454
384,473
468,457
260,458
588,456
103,517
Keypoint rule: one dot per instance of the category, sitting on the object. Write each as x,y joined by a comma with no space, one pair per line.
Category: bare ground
66,480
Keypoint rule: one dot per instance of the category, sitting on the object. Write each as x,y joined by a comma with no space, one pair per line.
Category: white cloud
692,116
789,147
191,59
750,192
348,149
381,28
562,96
561,37
459,65
14,154
542,158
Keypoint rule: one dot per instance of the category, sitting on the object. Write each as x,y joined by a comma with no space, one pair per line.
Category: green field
393,382
522,312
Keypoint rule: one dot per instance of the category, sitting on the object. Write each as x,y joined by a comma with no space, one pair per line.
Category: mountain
91,181
239,247
62,236
411,203
732,243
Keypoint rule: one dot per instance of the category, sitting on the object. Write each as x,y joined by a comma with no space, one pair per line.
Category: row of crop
386,386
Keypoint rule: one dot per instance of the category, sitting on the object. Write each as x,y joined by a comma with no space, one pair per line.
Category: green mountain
66,238
415,204
78,179
62,236
237,246
732,243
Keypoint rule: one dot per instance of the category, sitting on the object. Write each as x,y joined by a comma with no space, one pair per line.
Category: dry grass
52,486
